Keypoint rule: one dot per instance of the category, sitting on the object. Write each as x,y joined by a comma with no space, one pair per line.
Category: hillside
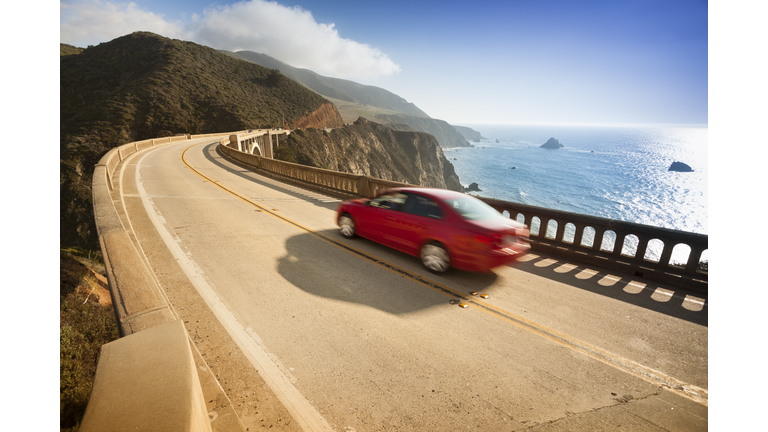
373,149
143,86
65,49
353,100
341,89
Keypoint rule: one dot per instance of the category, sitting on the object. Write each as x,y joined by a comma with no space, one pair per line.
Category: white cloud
91,22
289,34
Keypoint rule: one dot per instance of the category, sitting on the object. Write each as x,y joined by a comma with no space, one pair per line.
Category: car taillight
495,240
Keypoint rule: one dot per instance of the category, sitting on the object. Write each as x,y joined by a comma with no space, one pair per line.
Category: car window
392,201
471,208
422,206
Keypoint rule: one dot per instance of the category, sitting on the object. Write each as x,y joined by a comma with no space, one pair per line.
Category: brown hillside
143,86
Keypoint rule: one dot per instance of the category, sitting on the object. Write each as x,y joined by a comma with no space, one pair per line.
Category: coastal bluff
373,149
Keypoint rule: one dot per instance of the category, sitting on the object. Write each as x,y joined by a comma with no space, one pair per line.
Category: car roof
442,194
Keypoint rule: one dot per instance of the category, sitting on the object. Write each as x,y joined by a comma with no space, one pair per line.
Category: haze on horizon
484,62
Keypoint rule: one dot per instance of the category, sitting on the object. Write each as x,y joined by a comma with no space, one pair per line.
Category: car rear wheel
435,257
346,226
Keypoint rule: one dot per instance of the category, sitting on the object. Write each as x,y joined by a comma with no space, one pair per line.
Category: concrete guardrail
640,250
147,379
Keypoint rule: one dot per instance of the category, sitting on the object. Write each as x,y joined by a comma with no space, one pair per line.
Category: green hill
143,86
344,91
354,100
65,49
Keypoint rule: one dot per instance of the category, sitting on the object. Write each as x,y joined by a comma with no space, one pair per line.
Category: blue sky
518,62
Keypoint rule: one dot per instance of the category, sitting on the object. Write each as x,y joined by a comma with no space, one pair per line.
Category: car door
379,213
415,223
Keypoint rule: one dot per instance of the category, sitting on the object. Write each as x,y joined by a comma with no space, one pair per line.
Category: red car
444,228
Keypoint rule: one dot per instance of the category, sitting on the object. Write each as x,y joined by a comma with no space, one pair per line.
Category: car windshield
472,208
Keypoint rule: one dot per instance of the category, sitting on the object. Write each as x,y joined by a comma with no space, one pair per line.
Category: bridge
239,307
260,142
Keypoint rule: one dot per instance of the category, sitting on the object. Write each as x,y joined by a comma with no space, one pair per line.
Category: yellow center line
694,393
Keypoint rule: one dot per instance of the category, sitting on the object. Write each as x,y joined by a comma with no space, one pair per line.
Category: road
307,330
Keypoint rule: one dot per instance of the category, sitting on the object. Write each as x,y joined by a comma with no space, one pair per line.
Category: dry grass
86,323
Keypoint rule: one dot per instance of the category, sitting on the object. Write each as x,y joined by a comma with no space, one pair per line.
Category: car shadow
634,290
309,266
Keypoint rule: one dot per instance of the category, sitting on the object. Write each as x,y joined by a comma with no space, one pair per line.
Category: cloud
289,34
91,22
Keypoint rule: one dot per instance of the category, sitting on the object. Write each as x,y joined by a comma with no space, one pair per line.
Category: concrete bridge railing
344,184
657,254
147,379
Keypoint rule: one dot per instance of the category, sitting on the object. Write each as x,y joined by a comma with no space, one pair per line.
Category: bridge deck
558,345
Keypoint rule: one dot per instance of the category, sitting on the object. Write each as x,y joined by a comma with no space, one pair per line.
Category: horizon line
591,124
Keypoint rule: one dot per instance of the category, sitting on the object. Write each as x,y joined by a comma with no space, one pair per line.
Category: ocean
613,172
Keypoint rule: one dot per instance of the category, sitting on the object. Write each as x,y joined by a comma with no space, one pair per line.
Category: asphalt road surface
306,330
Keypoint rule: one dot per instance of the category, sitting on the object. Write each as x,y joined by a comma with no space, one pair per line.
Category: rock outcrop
552,144
373,149
680,167
474,187
325,116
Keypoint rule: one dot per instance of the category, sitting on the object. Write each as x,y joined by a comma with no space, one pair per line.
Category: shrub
84,326
285,154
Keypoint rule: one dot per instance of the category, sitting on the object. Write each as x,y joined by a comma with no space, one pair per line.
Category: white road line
300,408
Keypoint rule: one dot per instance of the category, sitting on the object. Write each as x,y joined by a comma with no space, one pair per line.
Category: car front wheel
347,226
435,258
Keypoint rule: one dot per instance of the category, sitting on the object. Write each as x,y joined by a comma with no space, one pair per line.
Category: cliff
373,149
325,116
447,136
468,133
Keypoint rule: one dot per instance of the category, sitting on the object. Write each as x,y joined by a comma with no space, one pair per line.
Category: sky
495,62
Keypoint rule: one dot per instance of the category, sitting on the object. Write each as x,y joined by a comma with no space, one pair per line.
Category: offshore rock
552,144
680,167
473,188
